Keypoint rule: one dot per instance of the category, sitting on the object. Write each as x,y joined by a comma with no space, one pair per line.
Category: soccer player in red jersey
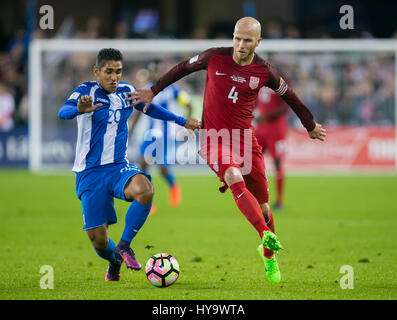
271,131
234,77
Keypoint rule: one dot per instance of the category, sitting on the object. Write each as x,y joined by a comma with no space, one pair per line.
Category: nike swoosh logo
239,196
220,73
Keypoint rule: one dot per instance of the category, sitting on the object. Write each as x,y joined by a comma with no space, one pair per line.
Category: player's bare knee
146,196
139,189
232,175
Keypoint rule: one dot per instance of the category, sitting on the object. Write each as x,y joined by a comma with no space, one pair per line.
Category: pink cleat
113,271
128,257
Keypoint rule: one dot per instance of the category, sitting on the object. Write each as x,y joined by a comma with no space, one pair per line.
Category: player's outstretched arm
196,63
318,132
70,110
280,86
161,113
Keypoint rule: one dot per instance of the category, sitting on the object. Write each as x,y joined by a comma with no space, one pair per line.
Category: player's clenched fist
84,104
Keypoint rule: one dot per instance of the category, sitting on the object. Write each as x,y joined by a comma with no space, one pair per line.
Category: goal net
349,85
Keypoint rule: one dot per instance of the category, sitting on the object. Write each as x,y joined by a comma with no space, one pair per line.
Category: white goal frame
37,46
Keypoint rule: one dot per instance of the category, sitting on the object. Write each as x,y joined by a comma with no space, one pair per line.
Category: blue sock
108,253
134,219
170,179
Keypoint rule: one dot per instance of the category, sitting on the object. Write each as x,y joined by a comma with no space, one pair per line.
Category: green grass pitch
328,222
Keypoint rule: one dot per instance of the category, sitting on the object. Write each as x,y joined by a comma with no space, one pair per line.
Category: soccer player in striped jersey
234,77
101,166
171,98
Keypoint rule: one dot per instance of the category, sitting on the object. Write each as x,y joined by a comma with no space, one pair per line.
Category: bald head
246,37
248,25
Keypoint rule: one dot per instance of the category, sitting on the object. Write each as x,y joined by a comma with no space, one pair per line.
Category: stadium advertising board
347,148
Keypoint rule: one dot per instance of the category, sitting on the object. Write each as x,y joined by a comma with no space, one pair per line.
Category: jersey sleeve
74,97
196,63
285,91
158,112
69,109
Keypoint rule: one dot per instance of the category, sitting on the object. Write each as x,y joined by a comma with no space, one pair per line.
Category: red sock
280,184
249,206
270,223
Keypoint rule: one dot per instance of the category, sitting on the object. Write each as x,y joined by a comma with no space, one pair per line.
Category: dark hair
108,54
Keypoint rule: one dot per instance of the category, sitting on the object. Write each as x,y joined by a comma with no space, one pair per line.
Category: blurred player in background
234,77
271,127
102,170
171,98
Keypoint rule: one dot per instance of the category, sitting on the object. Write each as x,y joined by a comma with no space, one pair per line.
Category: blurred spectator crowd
340,88
344,88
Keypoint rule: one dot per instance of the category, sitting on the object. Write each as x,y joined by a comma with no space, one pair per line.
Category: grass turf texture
327,222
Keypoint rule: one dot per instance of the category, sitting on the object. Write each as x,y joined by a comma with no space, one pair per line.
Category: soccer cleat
271,242
113,271
175,196
271,266
128,257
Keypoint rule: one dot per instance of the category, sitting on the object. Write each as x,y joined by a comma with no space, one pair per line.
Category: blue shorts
96,188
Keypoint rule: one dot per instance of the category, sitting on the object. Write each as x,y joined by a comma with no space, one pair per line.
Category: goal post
49,60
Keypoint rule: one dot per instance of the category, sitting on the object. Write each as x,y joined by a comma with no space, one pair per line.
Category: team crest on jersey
74,95
254,82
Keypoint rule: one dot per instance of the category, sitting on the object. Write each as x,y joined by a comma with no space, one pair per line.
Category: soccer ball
162,270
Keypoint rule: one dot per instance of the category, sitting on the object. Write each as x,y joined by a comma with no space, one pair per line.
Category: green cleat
271,242
271,266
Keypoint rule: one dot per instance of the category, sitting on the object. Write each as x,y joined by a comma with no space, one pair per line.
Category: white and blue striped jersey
167,98
102,134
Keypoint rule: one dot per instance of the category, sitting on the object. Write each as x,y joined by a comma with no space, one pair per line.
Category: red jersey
231,89
272,110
